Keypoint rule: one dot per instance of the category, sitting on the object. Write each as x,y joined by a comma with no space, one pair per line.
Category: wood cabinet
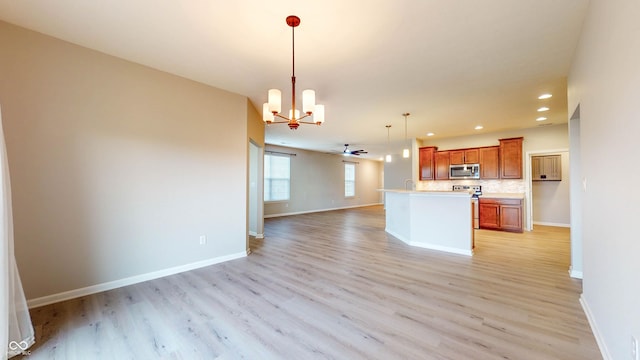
500,214
464,156
442,165
511,158
426,162
546,168
490,162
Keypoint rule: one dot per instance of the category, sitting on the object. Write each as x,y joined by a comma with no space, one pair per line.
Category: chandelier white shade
272,109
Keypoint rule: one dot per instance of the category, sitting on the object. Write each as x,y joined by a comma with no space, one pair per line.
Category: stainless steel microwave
467,171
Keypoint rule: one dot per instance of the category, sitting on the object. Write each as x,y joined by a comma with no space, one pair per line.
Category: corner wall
116,169
603,82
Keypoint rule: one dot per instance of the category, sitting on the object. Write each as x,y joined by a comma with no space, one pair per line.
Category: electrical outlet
203,239
635,352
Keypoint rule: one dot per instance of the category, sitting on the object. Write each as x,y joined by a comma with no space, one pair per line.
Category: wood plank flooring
334,285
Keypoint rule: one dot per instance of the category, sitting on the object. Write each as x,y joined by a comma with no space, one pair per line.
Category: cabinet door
489,216
546,167
464,156
490,162
426,163
511,158
471,156
536,168
552,167
442,165
456,157
511,216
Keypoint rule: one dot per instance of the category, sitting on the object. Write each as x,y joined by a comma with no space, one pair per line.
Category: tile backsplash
488,186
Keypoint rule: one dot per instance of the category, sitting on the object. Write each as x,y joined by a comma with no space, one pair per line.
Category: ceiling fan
353,152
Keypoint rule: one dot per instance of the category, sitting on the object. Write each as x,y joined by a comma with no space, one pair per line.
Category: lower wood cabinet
500,214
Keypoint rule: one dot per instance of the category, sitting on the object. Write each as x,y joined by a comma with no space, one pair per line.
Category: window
277,172
349,180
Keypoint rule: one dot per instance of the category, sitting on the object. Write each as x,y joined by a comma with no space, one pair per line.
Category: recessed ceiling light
541,118
479,127
544,96
544,108
430,134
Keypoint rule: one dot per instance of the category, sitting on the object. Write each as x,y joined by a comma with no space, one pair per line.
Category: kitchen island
438,220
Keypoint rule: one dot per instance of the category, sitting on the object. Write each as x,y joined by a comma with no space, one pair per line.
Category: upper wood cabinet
490,162
464,156
442,165
426,162
496,162
511,158
546,168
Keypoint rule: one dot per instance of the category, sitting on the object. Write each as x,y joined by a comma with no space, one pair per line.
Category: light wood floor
334,285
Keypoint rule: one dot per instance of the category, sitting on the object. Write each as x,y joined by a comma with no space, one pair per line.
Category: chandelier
271,109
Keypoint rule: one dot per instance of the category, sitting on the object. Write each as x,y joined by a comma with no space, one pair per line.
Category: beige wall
535,139
255,186
317,182
117,169
603,82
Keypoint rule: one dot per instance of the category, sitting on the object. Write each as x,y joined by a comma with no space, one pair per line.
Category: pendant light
271,109
388,157
405,153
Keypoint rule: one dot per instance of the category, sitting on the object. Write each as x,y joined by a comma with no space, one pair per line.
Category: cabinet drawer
500,201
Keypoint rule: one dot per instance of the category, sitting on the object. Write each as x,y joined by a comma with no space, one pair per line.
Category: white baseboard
72,294
430,246
442,248
594,328
256,235
544,223
319,210
575,274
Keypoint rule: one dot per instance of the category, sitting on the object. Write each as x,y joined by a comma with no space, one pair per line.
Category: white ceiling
451,64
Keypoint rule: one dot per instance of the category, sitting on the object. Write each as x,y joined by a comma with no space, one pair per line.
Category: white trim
72,294
594,328
575,274
318,210
397,236
430,246
256,235
544,223
442,248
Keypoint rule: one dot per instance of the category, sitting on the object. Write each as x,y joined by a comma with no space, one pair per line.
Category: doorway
548,203
255,204
577,189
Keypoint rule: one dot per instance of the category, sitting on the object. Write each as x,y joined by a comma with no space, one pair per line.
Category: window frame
348,181
268,181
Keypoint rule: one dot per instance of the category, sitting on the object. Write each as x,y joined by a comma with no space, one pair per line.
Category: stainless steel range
476,190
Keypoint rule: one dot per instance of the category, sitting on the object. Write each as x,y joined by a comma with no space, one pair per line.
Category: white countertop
503,195
429,192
